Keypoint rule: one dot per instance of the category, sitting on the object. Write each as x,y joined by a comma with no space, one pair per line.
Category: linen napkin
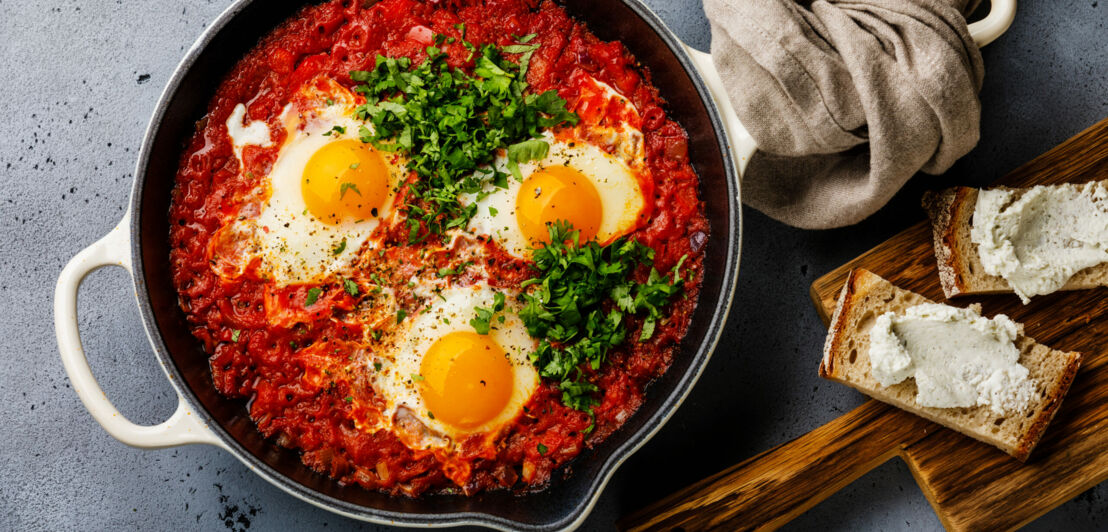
847,100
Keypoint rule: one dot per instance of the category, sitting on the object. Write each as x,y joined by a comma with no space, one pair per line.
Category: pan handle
183,426
1000,17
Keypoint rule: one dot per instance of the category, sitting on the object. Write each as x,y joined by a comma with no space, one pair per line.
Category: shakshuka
437,246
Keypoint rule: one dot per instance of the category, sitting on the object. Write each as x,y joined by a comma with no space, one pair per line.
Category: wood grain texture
783,482
971,486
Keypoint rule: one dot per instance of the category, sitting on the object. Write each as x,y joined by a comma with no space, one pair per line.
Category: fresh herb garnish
450,125
313,296
445,272
339,248
482,322
348,186
337,129
351,287
235,335
400,315
578,304
541,448
521,152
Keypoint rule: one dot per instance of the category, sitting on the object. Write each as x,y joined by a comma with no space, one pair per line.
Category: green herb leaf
339,248
482,321
351,287
400,315
348,186
313,296
235,335
445,272
528,150
541,448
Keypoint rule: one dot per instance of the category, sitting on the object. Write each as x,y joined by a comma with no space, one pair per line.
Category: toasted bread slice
960,269
846,360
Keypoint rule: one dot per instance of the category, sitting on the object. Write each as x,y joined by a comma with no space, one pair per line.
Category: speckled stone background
80,79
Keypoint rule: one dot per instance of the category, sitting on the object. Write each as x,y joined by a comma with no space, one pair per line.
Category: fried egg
327,191
578,182
442,382
594,176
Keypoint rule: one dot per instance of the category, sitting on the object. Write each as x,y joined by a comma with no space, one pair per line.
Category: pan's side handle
742,145
183,426
1000,17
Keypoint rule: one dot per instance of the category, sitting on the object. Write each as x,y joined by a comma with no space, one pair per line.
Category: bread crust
960,269
861,288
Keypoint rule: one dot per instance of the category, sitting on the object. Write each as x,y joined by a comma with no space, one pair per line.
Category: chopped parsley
351,287
235,335
482,322
337,129
400,315
450,125
349,399
578,305
339,248
313,296
446,272
348,186
541,448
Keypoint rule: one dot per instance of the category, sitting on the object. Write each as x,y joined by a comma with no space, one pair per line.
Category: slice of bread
960,269
846,359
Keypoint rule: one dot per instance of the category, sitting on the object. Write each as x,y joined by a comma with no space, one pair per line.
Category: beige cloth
846,100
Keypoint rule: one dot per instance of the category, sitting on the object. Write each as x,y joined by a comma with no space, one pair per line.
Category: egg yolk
557,193
346,180
467,379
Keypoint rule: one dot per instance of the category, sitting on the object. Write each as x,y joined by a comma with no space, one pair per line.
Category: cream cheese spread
957,357
1040,239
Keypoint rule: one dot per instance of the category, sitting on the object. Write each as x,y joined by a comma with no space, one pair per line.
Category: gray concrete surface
80,79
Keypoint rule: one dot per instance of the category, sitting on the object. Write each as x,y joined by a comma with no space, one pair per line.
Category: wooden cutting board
971,486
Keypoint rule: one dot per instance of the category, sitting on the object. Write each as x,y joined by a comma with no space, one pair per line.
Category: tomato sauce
289,368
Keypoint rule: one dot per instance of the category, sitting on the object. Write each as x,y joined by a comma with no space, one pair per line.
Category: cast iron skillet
140,244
